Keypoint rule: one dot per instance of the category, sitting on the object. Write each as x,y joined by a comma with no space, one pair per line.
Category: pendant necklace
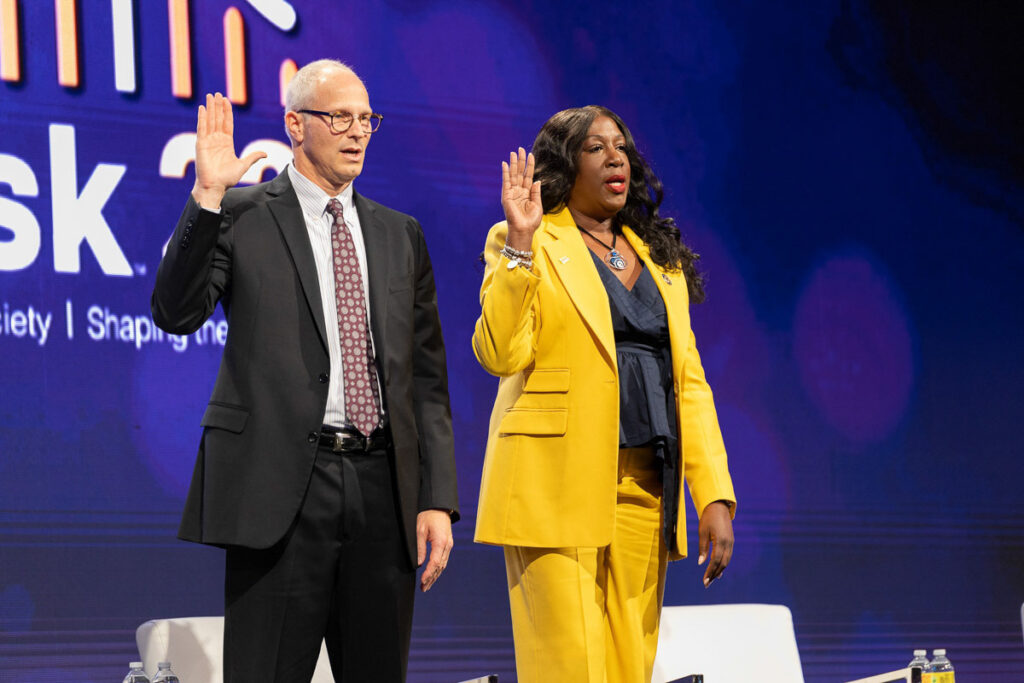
614,258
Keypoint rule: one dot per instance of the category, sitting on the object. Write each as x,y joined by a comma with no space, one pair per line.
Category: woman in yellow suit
602,409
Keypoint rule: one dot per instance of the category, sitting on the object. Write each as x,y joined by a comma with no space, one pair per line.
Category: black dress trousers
340,573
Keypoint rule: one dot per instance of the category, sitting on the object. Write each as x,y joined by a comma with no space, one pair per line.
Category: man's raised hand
217,167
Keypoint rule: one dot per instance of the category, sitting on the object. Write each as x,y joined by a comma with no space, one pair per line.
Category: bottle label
938,677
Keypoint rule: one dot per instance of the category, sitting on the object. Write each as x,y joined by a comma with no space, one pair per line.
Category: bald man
326,464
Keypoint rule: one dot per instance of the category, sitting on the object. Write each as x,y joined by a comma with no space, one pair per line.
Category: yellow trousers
591,614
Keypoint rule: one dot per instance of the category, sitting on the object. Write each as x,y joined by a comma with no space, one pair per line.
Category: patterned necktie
362,395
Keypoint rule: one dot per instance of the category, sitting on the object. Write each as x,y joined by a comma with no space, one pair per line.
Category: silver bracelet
515,260
516,252
512,265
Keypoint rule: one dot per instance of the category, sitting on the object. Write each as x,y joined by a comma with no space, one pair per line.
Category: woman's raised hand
217,167
520,198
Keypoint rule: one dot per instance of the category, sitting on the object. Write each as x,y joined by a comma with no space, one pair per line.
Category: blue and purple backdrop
851,172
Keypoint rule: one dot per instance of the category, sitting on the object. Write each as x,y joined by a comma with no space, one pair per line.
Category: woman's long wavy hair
557,151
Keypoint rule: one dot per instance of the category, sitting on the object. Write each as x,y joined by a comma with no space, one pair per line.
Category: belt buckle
348,442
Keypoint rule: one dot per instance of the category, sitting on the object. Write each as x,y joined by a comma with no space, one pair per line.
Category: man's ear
294,123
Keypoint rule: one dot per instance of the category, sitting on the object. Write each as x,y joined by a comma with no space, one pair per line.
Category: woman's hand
217,167
715,530
520,199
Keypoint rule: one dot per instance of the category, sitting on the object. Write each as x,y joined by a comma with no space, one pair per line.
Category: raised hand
520,199
217,167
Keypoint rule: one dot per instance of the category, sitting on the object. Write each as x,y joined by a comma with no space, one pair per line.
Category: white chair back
195,648
728,644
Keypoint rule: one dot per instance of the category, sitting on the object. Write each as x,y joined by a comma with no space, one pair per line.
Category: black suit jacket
259,429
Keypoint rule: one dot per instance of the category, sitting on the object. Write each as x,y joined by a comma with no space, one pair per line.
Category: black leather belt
350,440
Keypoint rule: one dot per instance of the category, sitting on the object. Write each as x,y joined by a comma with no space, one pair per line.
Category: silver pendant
615,260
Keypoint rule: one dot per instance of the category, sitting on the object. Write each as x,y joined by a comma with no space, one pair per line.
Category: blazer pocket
535,421
547,380
224,416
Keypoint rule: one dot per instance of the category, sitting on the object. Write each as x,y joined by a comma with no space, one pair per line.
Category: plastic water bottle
164,674
940,670
136,675
919,662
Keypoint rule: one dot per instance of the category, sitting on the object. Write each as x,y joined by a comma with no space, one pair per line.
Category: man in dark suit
326,464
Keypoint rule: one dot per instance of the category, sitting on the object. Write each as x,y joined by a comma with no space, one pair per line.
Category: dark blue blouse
647,402
646,395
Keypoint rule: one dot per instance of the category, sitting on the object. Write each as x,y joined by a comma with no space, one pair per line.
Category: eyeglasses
341,121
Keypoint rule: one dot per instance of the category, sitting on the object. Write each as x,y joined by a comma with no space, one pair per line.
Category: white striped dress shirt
313,201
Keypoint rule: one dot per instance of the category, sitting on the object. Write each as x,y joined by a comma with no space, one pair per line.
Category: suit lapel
570,258
375,239
284,206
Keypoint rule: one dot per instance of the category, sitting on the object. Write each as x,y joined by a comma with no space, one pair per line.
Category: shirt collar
314,200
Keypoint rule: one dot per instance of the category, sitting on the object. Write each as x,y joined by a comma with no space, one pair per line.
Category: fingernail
707,582
700,559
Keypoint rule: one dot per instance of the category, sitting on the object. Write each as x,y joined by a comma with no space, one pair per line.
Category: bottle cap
134,665
163,665
938,652
920,653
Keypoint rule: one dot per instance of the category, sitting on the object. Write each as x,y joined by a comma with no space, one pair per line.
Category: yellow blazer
551,465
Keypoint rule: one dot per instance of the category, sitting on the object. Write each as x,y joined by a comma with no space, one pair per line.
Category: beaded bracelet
517,258
516,252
